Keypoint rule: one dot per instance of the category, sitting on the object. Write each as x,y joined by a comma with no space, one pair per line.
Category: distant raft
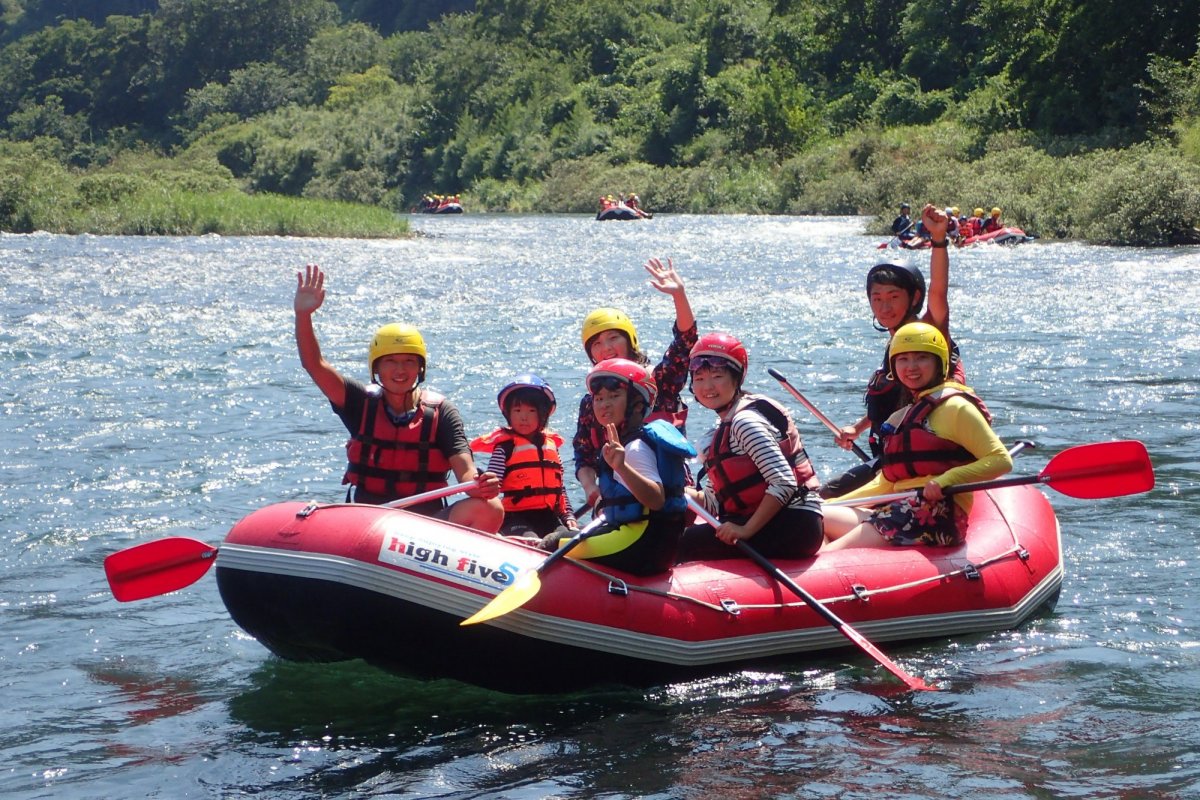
1008,235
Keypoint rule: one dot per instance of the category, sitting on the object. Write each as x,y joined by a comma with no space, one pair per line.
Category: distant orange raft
336,582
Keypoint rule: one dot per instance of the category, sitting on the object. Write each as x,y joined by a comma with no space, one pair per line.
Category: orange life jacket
533,473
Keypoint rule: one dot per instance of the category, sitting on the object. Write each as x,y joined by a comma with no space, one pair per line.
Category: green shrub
1187,133
1146,195
100,189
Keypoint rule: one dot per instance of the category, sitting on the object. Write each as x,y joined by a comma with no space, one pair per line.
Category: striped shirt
753,435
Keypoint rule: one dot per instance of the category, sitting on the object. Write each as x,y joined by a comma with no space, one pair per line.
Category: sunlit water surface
151,389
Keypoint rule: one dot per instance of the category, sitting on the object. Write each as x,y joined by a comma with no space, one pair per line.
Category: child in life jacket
525,457
640,476
761,485
944,437
609,333
896,293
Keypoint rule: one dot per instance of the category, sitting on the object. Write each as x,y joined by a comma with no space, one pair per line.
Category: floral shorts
912,521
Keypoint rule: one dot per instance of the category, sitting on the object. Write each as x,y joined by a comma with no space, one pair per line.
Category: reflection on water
152,389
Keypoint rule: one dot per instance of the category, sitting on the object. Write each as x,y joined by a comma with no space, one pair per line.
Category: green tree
194,42
1078,65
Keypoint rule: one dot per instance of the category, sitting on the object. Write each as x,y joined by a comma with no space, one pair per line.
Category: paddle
843,628
816,412
168,565
895,236
528,584
1088,471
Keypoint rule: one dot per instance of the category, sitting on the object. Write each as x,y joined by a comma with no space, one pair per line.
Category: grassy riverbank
149,195
1146,194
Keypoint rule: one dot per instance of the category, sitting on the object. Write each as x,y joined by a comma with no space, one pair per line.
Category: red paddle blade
155,568
1105,469
911,681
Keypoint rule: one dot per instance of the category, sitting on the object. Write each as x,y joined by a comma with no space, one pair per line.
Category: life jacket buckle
731,606
618,587
312,506
860,592
972,572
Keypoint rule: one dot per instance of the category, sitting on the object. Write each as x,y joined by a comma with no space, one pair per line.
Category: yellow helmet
996,211
955,211
609,319
920,337
395,339
978,212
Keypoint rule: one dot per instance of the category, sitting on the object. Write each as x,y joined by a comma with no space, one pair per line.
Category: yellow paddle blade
523,589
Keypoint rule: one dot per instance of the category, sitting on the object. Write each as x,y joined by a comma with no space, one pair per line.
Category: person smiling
896,293
404,439
524,457
609,333
941,439
641,475
761,484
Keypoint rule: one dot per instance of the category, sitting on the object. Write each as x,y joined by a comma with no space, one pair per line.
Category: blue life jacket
670,451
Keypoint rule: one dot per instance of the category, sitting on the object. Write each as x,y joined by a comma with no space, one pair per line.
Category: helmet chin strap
737,395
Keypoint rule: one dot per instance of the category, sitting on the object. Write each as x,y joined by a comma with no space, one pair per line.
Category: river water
151,389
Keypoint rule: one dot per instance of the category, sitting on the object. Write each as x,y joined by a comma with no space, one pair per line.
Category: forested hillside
1080,117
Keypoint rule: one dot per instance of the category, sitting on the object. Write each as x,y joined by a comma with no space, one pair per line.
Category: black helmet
905,276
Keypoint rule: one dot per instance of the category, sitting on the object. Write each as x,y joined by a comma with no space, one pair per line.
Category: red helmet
627,372
720,347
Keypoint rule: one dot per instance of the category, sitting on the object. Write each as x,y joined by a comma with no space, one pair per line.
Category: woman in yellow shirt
944,437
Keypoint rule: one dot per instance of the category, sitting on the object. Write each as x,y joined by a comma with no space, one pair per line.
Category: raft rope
970,569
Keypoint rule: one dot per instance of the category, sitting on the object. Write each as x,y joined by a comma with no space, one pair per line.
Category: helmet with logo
628,372
919,337
531,386
723,349
905,276
397,339
608,319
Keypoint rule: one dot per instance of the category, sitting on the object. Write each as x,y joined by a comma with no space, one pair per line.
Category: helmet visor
711,362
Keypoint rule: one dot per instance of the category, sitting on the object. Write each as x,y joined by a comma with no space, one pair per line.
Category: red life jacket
391,461
533,473
912,451
885,395
739,486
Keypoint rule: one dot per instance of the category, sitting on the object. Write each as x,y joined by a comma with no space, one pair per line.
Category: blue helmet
535,386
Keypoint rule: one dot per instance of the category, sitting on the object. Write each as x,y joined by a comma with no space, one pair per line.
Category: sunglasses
710,362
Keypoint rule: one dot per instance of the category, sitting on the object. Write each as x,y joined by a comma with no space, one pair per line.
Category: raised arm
667,281
937,303
310,294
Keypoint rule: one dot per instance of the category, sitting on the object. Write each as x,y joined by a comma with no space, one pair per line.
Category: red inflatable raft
327,583
1008,235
